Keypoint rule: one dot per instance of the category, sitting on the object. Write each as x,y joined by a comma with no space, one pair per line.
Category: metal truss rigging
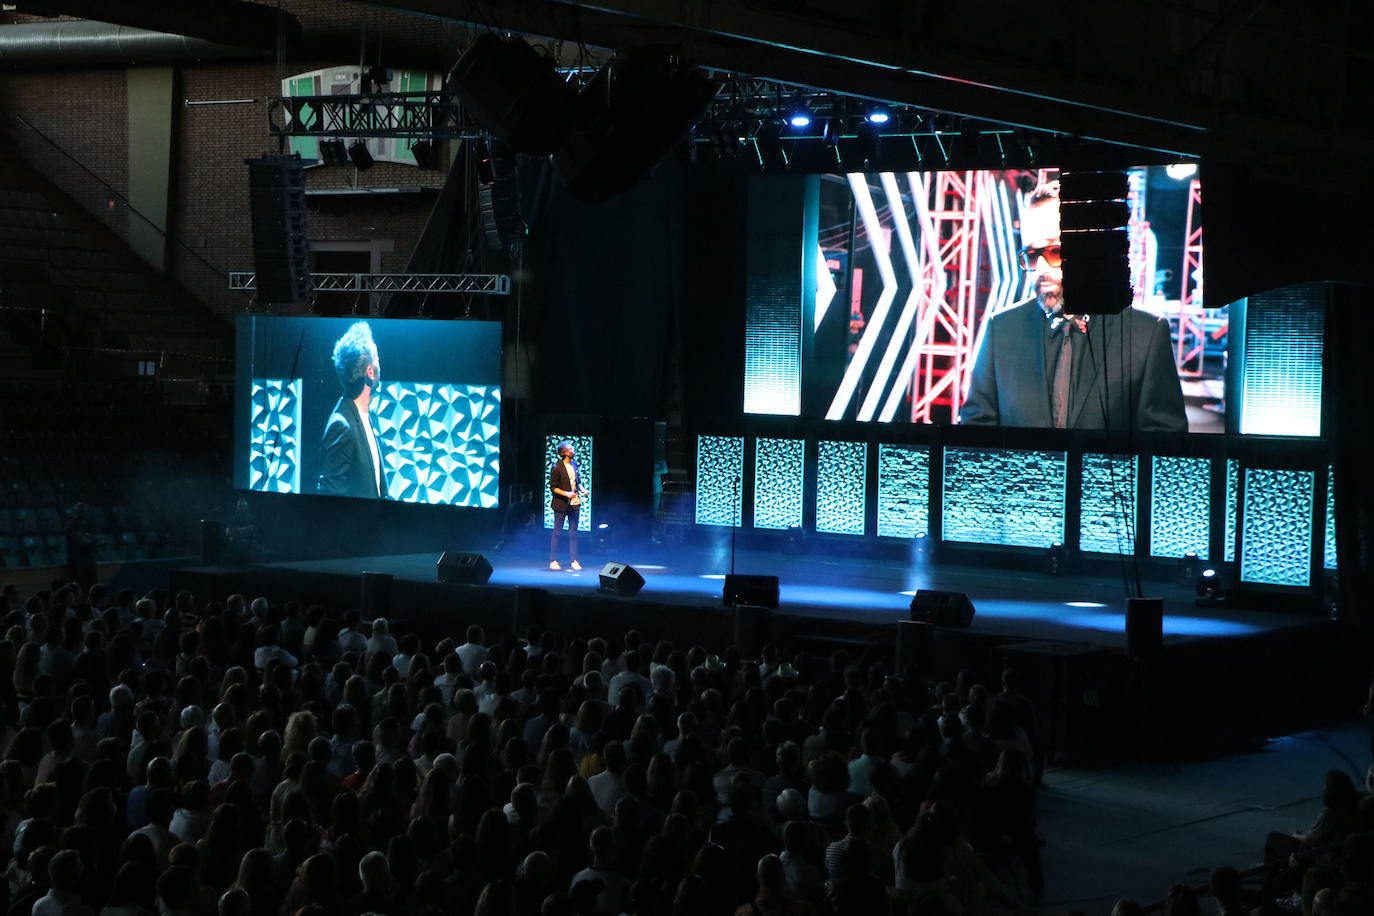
471,284
413,115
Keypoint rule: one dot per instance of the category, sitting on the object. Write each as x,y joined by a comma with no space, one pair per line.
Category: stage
1015,604
1066,633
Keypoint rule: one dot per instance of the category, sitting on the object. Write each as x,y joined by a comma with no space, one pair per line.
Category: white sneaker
575,566
553,564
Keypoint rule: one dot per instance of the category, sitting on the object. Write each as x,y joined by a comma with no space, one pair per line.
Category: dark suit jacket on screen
1125,379
558,477
346,467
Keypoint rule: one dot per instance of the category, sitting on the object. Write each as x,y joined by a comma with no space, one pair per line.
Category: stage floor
1017,604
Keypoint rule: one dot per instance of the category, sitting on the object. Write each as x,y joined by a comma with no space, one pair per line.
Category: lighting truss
748,102
471,284
412,115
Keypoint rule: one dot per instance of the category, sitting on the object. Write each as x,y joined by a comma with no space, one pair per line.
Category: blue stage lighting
878,115
799,116
1210,592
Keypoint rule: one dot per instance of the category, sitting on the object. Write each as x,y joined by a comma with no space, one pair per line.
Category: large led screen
936,297
377,409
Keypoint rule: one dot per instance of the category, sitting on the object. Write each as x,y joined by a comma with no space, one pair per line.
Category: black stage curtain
627,296
1350,426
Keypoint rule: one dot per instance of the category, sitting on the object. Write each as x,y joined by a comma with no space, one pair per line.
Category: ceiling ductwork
219,22
85,43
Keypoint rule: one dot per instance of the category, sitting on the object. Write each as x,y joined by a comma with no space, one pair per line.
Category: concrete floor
1135,829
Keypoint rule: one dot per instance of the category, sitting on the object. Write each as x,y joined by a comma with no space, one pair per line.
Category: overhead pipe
87,43
226,22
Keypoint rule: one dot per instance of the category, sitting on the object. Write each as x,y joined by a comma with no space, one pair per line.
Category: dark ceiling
1281,85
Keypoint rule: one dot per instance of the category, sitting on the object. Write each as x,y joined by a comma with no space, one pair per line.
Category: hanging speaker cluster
281,251
1093,214
515,92
604,138
498,199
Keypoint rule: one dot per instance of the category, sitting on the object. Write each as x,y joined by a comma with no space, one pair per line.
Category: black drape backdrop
635,302
1266,232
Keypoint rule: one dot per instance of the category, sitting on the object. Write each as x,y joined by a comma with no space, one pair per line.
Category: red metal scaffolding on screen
1191,341
943,353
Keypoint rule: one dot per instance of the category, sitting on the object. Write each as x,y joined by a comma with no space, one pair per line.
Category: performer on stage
351,459
566,492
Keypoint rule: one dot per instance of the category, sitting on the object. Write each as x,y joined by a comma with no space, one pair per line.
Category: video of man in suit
369,408
939,299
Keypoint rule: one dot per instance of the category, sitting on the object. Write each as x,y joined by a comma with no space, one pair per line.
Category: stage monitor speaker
621,579
276,206
944,609
755,591
463,568
1144,627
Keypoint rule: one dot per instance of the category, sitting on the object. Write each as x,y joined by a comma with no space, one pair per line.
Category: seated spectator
773,897
350,637
828,798
64,881
1339,817
738,761
615,887
473,652
269,651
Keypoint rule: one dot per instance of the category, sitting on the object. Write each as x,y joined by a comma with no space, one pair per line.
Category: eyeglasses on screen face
1027,257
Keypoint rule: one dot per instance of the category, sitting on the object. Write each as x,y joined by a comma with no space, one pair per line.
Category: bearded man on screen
1043,365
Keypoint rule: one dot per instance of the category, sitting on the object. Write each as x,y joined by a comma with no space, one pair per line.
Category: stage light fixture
425,153
799,116
362,158
1209,589
878,114
1058,560
333,152
1181,171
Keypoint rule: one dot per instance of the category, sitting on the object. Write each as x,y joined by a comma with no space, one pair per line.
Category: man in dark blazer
351,453
565,498
1040,365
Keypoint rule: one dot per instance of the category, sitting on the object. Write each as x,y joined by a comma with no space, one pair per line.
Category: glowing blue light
800,118
1208,573
603,525
712,576
1173,626
879,116
1084,604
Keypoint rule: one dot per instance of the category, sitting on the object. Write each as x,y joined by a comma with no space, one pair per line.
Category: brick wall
211,183
85,115
85,112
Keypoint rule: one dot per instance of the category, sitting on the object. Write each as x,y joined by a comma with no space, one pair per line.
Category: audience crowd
248,759
1326,870
163,756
